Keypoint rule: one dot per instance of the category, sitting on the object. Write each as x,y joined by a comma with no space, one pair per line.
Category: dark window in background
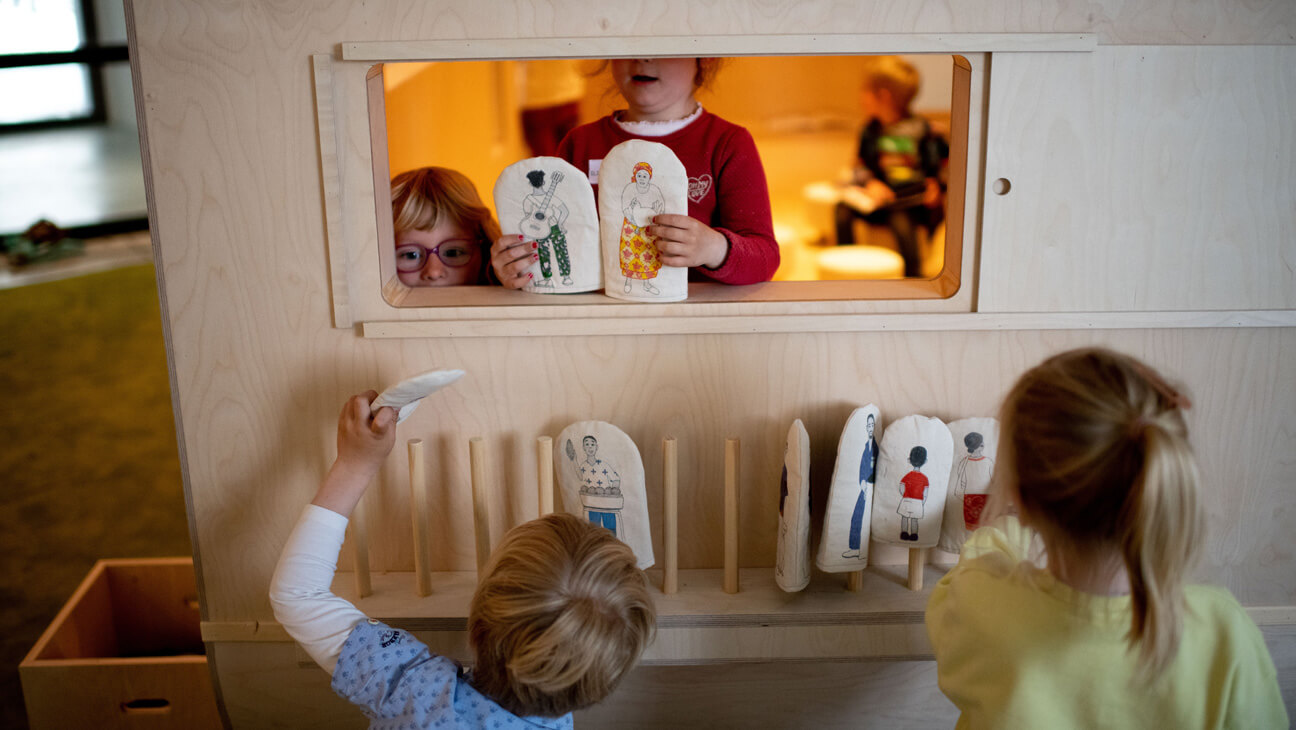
51,64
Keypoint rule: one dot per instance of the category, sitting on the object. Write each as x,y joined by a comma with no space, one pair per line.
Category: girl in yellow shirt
1096,470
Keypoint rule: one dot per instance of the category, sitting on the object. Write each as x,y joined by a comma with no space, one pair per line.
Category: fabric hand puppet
843,544
975,442
912,476
406,395
602,480
639,180
550,202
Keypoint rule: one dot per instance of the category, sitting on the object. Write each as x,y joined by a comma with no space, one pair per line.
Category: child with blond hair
898,163
561,611
443,231
1094,460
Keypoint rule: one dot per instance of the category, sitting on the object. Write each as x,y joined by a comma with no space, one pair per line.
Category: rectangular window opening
805,113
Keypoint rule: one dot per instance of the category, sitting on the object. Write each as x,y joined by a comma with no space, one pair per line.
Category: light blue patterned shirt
400,685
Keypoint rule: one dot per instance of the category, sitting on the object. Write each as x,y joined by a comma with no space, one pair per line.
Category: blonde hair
423,197
561,614
1096,448
894,74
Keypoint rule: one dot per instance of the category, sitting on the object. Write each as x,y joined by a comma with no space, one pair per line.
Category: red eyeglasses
454,252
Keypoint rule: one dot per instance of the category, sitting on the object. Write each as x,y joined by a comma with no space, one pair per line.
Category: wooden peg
732,453
360,541
419,515
917,558
481,500
670,515
855,581
544,474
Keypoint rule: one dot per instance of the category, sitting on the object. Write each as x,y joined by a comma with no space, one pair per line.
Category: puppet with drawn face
640,201
551,242
642,181
912,479
844,541
601,475
867,476
543,218
600,490
975,442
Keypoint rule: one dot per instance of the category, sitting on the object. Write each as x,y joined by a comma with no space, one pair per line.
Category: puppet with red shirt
913,495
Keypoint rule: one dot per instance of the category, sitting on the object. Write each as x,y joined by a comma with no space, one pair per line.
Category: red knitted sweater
727,189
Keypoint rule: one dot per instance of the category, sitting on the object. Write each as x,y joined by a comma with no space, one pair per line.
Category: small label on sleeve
594,166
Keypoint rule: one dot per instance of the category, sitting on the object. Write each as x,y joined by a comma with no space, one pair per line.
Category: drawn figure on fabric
542,221
640,201
973,481
600,490
867,476
913,495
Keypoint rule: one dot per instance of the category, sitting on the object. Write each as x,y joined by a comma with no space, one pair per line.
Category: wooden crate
124,652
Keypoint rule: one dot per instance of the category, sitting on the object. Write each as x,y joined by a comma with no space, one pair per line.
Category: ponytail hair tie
1136,427
1172,396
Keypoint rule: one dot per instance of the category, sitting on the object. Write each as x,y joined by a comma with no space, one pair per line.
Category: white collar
654,128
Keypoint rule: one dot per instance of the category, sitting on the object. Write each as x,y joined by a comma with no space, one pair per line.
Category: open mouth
643,79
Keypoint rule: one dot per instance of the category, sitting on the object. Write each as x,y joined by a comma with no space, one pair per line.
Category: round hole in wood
1001,186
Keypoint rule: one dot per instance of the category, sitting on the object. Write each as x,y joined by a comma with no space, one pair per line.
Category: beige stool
796,244
860,262
820,200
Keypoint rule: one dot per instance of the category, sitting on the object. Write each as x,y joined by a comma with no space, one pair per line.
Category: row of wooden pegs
545,471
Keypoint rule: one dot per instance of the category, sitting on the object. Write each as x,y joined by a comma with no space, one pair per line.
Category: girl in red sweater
728,235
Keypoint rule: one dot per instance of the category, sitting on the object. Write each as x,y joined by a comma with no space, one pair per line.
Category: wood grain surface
1152,174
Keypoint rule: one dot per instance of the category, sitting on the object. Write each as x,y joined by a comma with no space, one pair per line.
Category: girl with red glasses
443,232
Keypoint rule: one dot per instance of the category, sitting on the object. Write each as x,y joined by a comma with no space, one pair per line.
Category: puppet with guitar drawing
542,222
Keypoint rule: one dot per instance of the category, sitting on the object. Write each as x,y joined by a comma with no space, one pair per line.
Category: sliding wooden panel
1142,179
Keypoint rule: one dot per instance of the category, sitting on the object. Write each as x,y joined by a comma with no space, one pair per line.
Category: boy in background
897,173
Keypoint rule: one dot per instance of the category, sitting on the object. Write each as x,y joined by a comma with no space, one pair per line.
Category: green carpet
89,467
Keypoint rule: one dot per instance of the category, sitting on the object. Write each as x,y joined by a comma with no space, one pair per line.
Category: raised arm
301,589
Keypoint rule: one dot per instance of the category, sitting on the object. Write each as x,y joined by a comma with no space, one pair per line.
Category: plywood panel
1114,21
699,390
276,685
1142,178
813,695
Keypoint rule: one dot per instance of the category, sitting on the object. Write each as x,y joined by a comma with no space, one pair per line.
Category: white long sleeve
301,589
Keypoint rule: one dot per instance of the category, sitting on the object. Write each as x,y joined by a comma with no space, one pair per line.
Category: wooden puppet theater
1121,174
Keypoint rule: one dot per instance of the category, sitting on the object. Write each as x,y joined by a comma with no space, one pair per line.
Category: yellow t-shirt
1017,648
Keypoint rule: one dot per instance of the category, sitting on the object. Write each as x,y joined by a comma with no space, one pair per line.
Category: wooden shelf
768,321
701,624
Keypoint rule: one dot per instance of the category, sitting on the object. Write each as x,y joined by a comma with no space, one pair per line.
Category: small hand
365,438
880,192
511,256
685,241
932,194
